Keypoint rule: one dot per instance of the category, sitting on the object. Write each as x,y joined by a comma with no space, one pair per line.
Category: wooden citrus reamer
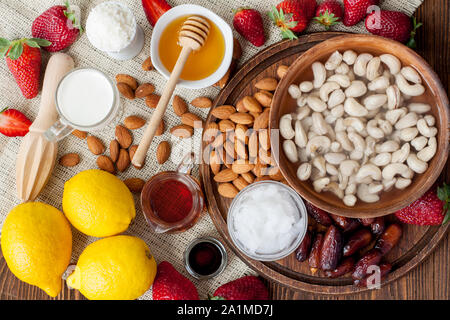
192,37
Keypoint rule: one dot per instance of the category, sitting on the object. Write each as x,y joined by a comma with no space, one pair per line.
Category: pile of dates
339,245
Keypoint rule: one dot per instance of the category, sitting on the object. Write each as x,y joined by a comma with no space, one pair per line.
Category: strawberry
394,25
293,16
154,9
249,24
328,13
13,123
356,10
245,288
433,208
23,58
169,284
59,25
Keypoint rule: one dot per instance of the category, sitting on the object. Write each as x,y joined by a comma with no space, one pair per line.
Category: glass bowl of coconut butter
267,220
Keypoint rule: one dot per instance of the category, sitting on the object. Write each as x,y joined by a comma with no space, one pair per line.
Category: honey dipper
192,37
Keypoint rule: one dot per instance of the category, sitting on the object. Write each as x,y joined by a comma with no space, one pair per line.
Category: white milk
85,97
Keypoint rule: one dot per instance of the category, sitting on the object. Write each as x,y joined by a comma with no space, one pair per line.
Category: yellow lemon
114,268
37,245
98,203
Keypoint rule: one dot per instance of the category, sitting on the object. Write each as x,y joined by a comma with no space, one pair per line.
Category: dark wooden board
415,245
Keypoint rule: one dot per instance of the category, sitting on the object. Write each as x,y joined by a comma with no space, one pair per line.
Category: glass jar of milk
112,28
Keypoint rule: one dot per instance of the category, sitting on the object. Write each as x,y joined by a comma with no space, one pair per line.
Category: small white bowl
185,10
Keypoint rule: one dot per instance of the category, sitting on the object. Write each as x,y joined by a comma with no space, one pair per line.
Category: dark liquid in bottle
205,258
171,200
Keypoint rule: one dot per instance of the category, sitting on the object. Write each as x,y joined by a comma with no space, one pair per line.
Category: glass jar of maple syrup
172,201
205,258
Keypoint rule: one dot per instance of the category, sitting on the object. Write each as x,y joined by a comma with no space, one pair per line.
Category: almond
211,131
114,149
282,70
192,120
179,106
264,97
226,125
262,121
259,169
223,112
269,84
249,177
131,152
134,184
240,149
242,167
161,128
229,149
152,100
123,161
253,145
123,136
144,90
106,164
226,175
133,122
218,141
242,133
202,102
242,118
163,152
265,157
227,190
95,145
240,183
125,90
240,106
79,134
182,131
147,65
69,160
214,162
264,139
127,79
251,104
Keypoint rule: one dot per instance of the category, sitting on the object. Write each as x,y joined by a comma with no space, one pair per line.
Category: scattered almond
192,120
126,90
251,104
240,183
163,152
123,136
179,106
282,70
152,100
106,164
202,102
182,131
133,122
95,145
264,97
226,175
69,160
161,128
223,112
127,79
123,161
269,84
227,190
262,121
147,65
79,134
114,149
144,90
242,118
134,184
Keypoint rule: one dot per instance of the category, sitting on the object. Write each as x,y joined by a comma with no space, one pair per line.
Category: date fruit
358,240
385,268
378,226
346,224
366,221
302,251
347,265
371,258
389,238
331,251
314,255
319,215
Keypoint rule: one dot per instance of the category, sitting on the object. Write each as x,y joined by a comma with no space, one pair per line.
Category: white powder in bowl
266,219
110,26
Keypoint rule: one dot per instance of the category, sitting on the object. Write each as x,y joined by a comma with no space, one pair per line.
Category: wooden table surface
430,280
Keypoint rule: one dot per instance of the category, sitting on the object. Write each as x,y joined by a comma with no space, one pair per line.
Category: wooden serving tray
416,243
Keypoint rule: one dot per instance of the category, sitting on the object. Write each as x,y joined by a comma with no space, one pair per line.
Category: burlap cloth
16,17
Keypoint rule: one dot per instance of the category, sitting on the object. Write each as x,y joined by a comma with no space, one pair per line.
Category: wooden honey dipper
192,37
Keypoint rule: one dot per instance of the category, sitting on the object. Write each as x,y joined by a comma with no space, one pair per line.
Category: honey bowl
205,66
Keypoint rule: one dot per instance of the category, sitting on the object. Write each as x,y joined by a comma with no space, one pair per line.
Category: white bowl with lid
186,10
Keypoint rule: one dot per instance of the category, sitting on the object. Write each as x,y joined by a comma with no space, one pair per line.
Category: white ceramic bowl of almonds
363,125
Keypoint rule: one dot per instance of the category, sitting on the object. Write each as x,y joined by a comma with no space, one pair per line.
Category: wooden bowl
435,95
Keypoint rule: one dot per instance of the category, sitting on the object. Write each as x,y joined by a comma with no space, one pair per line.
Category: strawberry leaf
41,42
31,43
4,46
16,50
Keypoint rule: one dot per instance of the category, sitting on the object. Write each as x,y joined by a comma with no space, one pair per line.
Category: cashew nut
416,164
286,130
316,103
304,171
320,184
402,154
393,115
408,89
381,159
290,150
333,61
364,194
349,200
375,101
301,139
419,143
327,88
380,83
342,138
354,122
408,134
343,80
373,68
356,89
320,74
336,97
426,154
334,188
348,167
375,187
354,108
393,169
349,57
303,112
402,183
343,68
425,130
431,121
320,144
301,101
359,145
306,86
373,130
331,169
335,157
368,170
392,62
419,107
411,74
360,66
319,124
394,97
386,126
410,120
294,91
387,146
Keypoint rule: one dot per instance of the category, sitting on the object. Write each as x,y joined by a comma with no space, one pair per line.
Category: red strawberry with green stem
356,10
433,208
169,284
154,9
249,24
13,123
245,288
60,25
328,13
393,25
292,16
23,58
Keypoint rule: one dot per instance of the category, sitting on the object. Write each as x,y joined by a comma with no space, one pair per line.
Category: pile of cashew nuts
356,132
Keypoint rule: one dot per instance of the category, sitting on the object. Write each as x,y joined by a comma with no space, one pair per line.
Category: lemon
98,203
114,268
37,245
